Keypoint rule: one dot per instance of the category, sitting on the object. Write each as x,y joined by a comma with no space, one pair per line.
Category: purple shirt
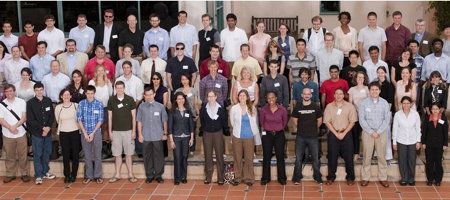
396,42
218,84
273,121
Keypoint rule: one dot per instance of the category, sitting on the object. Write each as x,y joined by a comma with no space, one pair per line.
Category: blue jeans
42,148
300,146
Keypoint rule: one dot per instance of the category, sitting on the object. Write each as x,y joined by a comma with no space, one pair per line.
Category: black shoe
282,182
149,180
206,182
264,182
66,179
429,183
176,183
220,182
72,179
159,180
437,184
318,180
412,183
403,183
249,183
140,155
235,183
184,181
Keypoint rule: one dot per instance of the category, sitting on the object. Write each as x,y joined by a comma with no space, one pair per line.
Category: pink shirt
89,70
258,45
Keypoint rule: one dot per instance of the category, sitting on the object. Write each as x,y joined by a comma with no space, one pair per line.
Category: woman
387,93
406,140
273,119
258,43
161,92
4,55
435,141
245,82
69,135
273,52
406,87
135,66
245,128
435,93
77,86
406,61
356,94
285,42
213,119
181,136
24,88
345,36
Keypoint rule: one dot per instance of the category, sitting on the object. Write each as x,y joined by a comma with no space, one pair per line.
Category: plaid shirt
374,116
90,113
219,84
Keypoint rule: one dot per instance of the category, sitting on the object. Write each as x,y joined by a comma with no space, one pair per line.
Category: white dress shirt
406,129
371,69
146,69
55,40
19,106
107,37
133,86
9,41
12,70
53,84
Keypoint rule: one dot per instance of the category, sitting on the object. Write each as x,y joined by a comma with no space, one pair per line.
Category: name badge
425,42
208,39
218,85
440,91
81,91
263,133
276,84
367,109
189,94
156,113
312,90
220,71
47,109
441,121
96,111
339,111
161,39
283,44
114,37
86,36
120,105
186,114
185,67
362,91
107,71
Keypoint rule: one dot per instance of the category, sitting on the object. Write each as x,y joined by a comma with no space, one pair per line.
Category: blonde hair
97,76
239,78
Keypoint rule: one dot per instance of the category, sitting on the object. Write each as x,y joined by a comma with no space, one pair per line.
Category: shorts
122,143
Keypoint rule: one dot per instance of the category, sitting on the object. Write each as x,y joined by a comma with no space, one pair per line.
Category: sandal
87,180
113,180
132,179
99,180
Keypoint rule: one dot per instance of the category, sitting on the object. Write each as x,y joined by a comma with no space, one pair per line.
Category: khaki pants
16,155
243,148
368,146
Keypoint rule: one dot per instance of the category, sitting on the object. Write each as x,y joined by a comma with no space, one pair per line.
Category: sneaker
38,181
49,175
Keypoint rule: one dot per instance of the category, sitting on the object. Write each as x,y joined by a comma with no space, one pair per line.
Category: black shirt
206,41
210,125
439,95
180,123
39,115
387,91
398,69
77,94
307,119
435,137
136,39
177,68
349,72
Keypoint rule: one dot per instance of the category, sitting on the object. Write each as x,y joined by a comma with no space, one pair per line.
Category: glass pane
8,12
330,7
121,10
35,12
72,9
167,11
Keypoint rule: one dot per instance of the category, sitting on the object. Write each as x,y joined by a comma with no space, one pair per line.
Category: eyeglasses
180,48
109,16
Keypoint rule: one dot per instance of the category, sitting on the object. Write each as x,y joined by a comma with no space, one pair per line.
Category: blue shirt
90,114
71,63
187,34
40,66
246,131
374,115
83,37
418,60
160,38
419,36
433,63
298,89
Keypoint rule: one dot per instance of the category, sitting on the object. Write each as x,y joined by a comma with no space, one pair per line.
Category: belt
275,132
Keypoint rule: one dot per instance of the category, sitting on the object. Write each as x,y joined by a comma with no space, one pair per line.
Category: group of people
136,89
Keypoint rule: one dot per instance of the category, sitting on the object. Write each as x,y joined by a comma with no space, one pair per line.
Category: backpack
324,30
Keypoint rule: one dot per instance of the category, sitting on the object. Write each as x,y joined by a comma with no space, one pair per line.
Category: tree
441,13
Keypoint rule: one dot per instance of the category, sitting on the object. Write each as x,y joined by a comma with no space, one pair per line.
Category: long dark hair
160,80
5,50
175,104
408,86
247,102
72,82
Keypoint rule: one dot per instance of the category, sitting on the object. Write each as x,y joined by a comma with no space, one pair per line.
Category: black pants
343,148
192,148
433,167
153,158
70,148
180,156
407,162
356,137
272,140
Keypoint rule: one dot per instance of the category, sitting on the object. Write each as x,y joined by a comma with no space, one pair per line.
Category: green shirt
121,112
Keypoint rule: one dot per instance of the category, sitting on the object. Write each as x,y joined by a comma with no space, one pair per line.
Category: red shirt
328,87
223,68
396,42
29,44
89,70
273,121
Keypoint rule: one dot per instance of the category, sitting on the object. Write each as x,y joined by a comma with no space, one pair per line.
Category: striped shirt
295,63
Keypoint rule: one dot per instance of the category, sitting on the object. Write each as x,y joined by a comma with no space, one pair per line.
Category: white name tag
107,71
208,39
185,67
220,71
283,44
114,37
189,94
362,91
425,42
96,111
81,91
263,133
367,110
441,121
276,84
312,90
186,114
47,109
86,36
161,38
156,113
218,85
120,105
440,91
339,111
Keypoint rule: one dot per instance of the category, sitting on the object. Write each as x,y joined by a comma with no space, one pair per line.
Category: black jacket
210,125
435,137
113,40
39,114
179,124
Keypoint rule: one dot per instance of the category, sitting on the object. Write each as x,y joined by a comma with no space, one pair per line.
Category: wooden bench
273,23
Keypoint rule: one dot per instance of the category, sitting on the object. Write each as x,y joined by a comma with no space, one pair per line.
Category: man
186,34
13,66
8,38
246,61
436,61
153,64
305,82
55,82
72,59
14,138
132,35
374,117
423,37
299,60
53,36
231,40
349,72
90,118
28,41
127,51
214,53
397,37
373,63
107,34
156,36
315,36
122,129
274,82
418,59
329,86
40,63
40,117
178,65
307,118
340,117
371,35
207,37
214,81
83,35
152,130
100,58
328,56
133,85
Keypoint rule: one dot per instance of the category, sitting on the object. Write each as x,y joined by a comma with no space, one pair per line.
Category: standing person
181,135
397,36
214,53
53,36
180,64
40,63
184,33
418,60
83,35
107,35
214,81
246,61
349,71
436,61
40,117
161,92
406,140
28,41
152,130
406,87
258,43
8,38
329,86
231,39
72,59
133,85
90,118
207,37
127,55
13,66
122,129
77,87
100,58
340,117
315,36
305,82
299,60
435,141
328,56
436,92
405,61
423,37
374,117
133,36
25,87
307,118
371,35
69,134
387,89
4,56
14,138
55,82
274,52
371,65
213,120
245,81
277,83
245,128
346,37
154,63
446,39
273,119
356,94
285,41
156,36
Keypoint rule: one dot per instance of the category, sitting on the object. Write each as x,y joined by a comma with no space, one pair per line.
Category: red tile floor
55,189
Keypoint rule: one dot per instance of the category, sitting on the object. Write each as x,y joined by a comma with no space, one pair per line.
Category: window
166,10
121,10
330,7
72,9
9,13
35,11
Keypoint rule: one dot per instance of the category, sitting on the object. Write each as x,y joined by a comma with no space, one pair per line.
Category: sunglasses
180,48
109,16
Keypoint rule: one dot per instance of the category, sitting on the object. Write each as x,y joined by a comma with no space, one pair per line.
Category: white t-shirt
55,40
231,42
19,106
371,37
